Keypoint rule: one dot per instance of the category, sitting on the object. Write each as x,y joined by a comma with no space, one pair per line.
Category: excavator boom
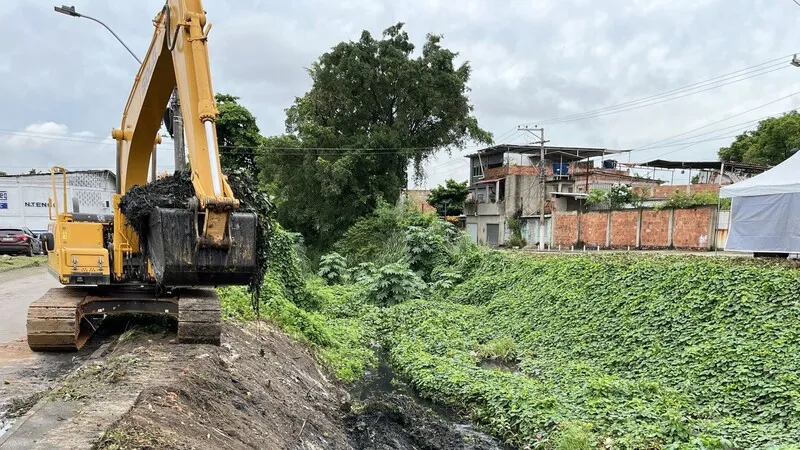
178,56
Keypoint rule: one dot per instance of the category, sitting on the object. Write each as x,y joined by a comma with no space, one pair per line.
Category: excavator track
199,317
54,320
62,319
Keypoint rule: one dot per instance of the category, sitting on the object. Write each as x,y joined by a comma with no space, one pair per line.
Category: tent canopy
781,179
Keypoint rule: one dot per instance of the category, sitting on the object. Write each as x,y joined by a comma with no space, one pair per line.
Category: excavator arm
178,56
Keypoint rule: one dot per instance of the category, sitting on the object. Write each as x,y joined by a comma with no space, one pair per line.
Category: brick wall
712,187
527,170
565,229
655,229
690,228
495,172
419,200
623,228
593,228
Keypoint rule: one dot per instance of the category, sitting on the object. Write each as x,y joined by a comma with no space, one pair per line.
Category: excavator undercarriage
64,318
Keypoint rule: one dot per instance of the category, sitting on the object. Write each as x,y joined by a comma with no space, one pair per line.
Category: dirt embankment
260,389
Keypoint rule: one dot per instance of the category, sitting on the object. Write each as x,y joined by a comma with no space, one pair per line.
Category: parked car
20,241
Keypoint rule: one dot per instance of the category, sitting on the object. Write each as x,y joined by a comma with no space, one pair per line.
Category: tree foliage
770,143
373,110
618,196
238,135
449,199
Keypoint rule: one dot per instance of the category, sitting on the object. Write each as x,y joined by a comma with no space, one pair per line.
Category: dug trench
258,389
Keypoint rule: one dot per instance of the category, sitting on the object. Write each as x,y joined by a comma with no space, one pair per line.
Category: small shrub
596,197
333,268
504,349
619,195
682,200
574,436
393,284
428,247
515,226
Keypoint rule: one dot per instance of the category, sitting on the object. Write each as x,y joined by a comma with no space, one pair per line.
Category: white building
24,198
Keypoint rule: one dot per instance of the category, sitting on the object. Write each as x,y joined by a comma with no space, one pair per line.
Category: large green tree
373,110
448,199
770,143
238,135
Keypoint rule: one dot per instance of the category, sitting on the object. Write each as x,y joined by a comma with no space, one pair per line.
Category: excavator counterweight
171,265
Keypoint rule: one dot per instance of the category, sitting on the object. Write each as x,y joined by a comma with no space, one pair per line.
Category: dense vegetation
773,141
376,106
584,351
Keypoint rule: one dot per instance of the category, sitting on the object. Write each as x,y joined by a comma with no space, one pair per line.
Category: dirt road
18,289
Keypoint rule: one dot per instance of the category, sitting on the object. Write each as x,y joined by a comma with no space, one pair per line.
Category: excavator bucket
178,258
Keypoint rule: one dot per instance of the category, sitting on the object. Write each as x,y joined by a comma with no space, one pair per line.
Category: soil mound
259,389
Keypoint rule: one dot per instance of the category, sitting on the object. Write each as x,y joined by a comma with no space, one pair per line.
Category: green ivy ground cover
638,352
609,351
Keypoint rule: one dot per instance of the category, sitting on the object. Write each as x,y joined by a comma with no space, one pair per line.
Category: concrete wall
522,192
482,221
693,228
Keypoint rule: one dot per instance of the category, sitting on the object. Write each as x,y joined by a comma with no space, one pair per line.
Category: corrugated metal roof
17,175
550,152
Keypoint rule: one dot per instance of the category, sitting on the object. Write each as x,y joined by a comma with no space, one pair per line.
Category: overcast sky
64,81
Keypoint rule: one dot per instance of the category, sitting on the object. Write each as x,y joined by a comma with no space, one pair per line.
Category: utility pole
177,133
542,179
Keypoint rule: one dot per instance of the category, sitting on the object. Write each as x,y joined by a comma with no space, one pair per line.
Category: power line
664,100
716,79
645,147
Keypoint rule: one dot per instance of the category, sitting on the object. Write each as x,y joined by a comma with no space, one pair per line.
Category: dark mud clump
174,191
397,422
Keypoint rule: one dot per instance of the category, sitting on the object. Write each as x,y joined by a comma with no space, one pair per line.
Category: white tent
765,211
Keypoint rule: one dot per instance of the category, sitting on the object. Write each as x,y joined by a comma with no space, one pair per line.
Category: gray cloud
66,80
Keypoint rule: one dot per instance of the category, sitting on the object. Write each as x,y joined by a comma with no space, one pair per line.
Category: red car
20,241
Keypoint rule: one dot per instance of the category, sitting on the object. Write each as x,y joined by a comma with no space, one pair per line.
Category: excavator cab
171,264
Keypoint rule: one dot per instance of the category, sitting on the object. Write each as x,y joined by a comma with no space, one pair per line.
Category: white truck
24,198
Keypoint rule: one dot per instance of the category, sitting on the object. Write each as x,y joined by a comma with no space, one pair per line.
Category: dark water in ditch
395,417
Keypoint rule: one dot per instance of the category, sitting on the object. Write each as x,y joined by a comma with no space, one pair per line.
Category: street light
70,11
177,125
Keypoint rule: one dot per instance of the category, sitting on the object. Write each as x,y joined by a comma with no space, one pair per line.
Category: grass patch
503,349
127,435
81,383
21,262
338,338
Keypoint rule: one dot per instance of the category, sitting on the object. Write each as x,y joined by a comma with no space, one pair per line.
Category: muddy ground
259,389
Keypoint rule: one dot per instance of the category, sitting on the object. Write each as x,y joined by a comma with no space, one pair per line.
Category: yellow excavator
102,261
